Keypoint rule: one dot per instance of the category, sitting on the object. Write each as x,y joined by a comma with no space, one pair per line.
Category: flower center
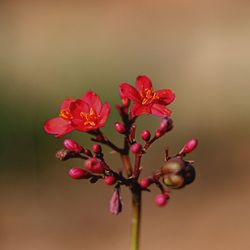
65,114
149,96
91,118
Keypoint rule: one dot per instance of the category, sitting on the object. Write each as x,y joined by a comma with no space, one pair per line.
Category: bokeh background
50,50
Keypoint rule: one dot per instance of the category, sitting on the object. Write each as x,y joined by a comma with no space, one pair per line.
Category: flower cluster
87,114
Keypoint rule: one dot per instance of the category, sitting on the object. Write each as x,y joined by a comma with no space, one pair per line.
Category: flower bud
87,152
94,165
189,146
72,145
79,173
120,128
145,182
166,125
173,166
136,148
110,180
96,148
115,205
161,199
145,135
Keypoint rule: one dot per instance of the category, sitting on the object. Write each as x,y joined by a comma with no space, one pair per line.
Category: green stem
136,205
136,219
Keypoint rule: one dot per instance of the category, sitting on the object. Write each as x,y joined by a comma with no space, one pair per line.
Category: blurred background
50,50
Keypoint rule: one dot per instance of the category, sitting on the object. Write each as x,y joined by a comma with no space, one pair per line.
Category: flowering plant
87,114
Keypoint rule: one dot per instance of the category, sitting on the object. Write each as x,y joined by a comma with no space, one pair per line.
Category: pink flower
146,100
83,114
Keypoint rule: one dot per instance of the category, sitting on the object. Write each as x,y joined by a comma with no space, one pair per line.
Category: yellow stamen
91,118
65,114
149,96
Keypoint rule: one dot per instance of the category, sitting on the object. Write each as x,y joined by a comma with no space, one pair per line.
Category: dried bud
136,148
120,128
115,205
189,146
161,199
145,182
72,145
63,155
94,165
166,125
173,181
96,148
79,173
145,135
173,166
110,180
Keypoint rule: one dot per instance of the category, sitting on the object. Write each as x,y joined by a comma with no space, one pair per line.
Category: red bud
120,128
166,125
136,148
110,180
145,135
72,145
94,165
161,199
190,145
87,152
145,182
96,148
79,173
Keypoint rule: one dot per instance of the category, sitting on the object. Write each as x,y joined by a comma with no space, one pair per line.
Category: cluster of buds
89,115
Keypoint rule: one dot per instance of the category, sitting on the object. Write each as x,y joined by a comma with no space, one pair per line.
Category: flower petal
104,114
93,100
160,110
77,107
66,103
58,127
126,90
166,96
142,83
138,109
86,128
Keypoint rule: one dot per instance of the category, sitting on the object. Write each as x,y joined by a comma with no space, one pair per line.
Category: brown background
51,50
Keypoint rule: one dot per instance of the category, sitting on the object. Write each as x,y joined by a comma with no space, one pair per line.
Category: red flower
89,113
61,125
83,114
146,100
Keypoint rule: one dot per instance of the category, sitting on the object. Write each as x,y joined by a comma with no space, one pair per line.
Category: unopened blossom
72,145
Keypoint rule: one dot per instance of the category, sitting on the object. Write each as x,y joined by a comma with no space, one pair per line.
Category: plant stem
136,219
127,164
